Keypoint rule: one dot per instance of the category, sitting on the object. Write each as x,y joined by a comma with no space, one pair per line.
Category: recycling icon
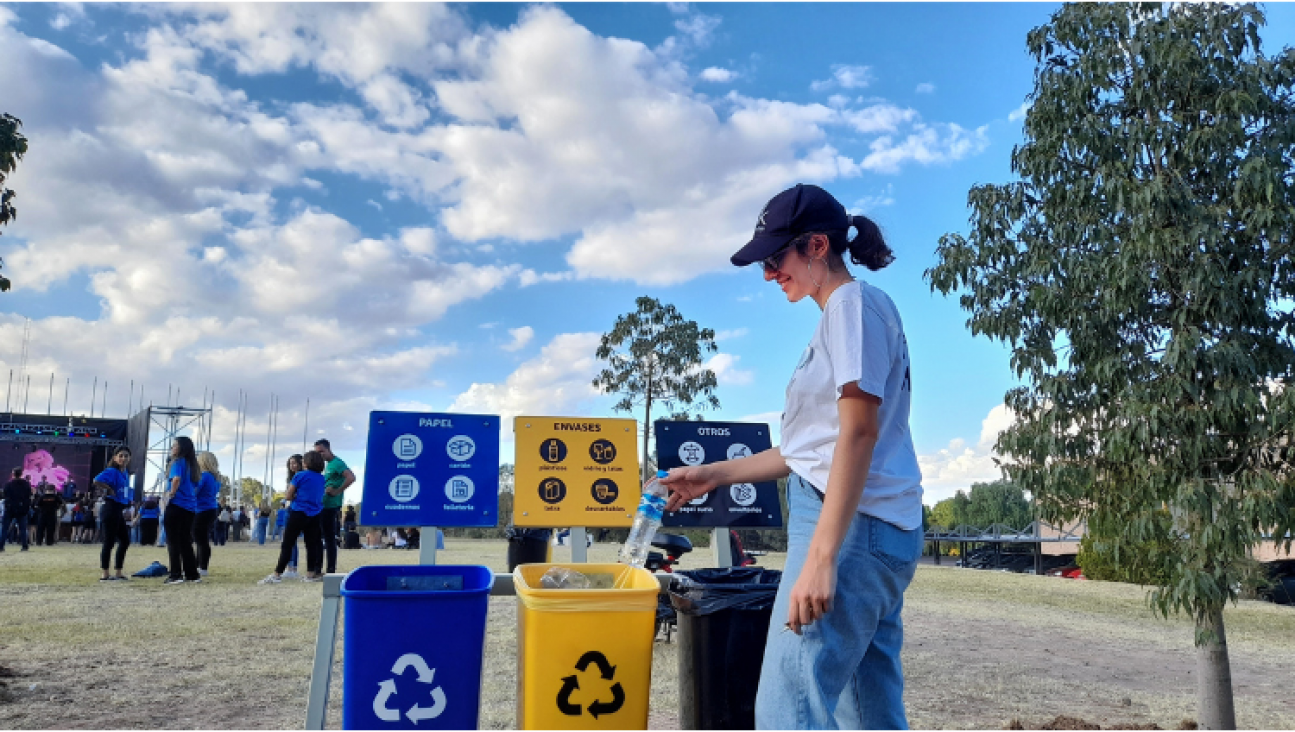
571,684
416,713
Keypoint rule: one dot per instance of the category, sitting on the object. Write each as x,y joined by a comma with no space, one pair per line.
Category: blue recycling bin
414,637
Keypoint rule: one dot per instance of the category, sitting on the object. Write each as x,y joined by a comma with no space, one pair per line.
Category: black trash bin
723,622
527,546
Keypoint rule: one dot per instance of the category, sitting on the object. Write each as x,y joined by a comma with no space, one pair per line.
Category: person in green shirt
337,478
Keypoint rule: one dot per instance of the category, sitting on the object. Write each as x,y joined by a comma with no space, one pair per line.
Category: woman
77,520
307,496
262,523
181,509
281,518
113,485
854,532
221,531
207,491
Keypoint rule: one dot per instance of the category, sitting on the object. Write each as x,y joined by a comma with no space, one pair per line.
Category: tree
1142,271
999,502
506,475
654,356
951,512
12,147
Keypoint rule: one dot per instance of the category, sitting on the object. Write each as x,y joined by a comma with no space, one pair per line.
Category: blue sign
431,470
752,505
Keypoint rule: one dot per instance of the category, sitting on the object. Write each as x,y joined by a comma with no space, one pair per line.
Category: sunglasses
772,262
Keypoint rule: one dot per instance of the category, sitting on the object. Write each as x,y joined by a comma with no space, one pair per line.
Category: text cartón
577,427
713,431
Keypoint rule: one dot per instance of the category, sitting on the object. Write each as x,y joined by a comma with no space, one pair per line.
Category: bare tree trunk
1214,709
647,420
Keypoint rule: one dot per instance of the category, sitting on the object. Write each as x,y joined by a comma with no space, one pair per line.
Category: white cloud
928,144
726,335
846,76
717,75
1018,114
958,465
68,14
726,371
188,228
925,88
521,336
559,381
698,28
877,118
881,199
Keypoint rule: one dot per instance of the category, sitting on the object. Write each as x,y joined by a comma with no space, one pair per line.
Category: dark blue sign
431,470
749,505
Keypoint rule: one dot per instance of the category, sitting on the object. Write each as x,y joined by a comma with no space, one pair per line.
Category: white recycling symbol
387,689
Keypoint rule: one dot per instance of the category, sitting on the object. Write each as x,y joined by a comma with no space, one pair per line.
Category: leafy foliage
1141,271
12,148
654,355
999,502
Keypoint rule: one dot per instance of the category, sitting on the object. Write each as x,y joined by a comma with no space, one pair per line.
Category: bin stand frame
719,544
326,642
325,645
427,549
579,545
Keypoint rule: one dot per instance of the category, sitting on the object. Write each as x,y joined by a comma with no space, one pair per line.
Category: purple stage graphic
66,467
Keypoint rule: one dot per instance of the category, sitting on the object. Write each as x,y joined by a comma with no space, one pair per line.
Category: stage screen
66,467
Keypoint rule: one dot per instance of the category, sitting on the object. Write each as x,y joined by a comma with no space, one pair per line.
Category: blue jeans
20,519
844,671
261,524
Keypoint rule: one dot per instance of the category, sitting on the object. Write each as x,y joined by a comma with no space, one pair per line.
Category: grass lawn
982,648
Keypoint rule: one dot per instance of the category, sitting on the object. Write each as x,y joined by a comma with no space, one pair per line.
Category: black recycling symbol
572,683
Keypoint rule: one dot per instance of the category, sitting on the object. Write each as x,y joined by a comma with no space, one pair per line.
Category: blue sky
441,207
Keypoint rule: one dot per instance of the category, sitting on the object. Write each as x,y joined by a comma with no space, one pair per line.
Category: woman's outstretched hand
689,483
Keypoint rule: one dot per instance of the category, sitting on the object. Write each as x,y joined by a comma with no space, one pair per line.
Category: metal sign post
427,549
719,544
579,544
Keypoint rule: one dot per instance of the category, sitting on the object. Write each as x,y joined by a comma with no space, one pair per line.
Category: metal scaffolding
167,423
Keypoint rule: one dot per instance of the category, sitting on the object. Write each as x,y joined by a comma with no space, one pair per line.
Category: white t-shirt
860,338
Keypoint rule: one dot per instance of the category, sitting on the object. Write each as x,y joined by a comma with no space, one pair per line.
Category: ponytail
868,248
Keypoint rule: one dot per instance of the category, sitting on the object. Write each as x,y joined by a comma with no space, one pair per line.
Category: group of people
189,512
316,483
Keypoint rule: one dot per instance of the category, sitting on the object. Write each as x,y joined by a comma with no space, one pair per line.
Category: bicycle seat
672,544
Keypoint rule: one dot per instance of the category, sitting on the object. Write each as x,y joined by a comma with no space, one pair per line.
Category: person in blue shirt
184,475
113,485
208,508
306,494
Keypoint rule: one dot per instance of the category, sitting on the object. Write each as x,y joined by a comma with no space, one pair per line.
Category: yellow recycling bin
585,656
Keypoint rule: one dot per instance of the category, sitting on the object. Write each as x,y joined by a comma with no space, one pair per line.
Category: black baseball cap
789,214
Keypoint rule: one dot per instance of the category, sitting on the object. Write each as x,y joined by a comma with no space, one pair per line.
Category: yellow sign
575,471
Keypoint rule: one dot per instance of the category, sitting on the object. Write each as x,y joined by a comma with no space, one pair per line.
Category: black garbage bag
724,617
527,546
706,591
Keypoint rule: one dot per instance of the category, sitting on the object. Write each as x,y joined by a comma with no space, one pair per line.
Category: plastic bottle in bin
646,522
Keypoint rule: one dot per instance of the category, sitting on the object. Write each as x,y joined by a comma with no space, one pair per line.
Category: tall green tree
1142,271
653,357
999,502
12,147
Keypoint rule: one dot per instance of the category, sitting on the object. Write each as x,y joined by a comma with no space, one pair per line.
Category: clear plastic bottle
646,522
